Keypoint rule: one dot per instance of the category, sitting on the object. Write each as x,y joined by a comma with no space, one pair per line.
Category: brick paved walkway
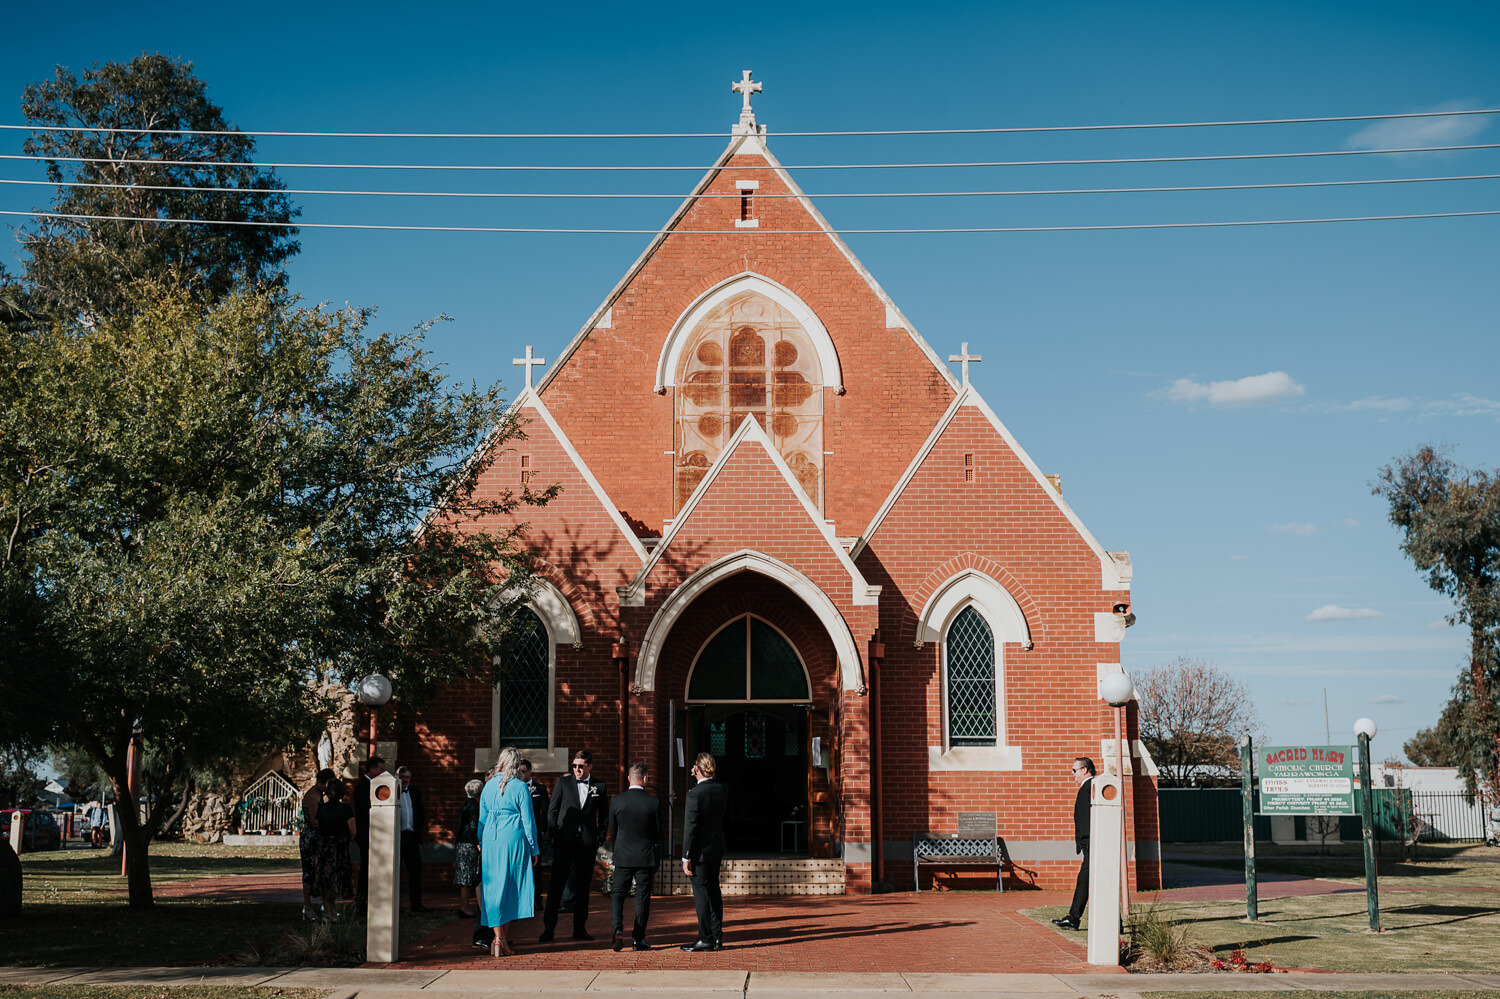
930,932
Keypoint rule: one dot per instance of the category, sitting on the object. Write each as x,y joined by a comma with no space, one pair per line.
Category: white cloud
1297,527
1387,699
1333,612
1350,522
1462,404
1252,389
1441,624
1401,133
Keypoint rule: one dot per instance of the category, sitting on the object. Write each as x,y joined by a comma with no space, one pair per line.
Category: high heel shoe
495,950
507,949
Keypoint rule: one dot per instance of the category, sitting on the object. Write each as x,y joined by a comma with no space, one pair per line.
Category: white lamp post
374,692
1116,690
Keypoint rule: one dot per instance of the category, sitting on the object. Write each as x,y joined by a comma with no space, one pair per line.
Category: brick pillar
854,781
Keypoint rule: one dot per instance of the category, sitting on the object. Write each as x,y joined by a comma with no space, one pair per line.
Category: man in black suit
413,821
576,819
1083,774
703,851
374,767
635,828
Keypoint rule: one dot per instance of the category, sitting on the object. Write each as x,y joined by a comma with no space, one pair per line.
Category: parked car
42,831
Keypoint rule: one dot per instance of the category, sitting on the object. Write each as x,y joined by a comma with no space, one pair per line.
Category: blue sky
1217,401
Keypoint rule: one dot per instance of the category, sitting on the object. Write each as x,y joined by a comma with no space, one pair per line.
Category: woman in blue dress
508,846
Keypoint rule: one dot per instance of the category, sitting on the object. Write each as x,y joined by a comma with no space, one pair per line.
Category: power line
742,232
758,195
698,169
720,135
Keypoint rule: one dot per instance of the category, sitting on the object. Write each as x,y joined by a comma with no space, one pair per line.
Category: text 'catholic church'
788,535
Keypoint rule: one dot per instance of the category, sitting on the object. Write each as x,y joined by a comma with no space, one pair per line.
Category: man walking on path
635,828
576,819
1083,773
703,851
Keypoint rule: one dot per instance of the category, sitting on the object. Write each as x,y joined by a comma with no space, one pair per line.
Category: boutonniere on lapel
593,790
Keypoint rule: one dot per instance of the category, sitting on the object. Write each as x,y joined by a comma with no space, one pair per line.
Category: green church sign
1306,780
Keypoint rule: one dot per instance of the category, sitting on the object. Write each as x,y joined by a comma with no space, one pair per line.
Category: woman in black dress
466,848
335,829
307,839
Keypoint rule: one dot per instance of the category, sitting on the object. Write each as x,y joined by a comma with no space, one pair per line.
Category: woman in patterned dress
335,830
466,850
307,839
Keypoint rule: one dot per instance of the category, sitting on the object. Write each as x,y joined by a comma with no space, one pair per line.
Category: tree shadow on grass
1459,913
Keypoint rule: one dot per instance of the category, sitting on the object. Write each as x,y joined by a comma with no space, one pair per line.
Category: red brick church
789,535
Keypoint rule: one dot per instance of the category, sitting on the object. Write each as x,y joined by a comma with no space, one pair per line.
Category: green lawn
74,913
1433,913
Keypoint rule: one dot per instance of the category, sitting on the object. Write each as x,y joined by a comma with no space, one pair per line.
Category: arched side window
969,671
748,660
749,357
525,685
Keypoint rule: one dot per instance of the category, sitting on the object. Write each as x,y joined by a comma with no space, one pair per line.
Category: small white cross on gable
531,362
965,357
745,87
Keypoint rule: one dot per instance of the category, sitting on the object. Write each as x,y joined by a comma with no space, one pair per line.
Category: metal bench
975,844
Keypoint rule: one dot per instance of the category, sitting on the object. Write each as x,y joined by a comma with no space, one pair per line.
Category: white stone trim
961,758
1108,627
1135,750
561,624
676,342
862,593
533,400
1113,575
970,586
681,598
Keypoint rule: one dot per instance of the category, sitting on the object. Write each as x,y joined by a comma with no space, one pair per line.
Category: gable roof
1113,576
749,143
750,434
528,399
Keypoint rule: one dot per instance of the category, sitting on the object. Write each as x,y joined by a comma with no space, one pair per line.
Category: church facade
789,535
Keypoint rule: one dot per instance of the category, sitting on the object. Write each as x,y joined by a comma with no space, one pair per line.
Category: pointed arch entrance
747,695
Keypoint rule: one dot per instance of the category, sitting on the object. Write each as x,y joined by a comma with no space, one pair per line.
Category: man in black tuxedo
576,819
374,767
703,851
412,818
1083,774
635,828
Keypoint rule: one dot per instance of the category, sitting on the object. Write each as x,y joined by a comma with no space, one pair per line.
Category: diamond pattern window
970,654
524,685
749,358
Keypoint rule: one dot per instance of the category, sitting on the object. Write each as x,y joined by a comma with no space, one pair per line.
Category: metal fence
1446,817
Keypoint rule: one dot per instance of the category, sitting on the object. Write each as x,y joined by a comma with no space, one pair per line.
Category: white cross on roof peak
965,357
745,86
531,362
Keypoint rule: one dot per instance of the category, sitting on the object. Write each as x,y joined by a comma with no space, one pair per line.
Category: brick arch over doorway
751,593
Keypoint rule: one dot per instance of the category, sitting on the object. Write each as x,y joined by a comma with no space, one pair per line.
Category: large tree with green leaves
142,141
206,506
1450,522
1437,746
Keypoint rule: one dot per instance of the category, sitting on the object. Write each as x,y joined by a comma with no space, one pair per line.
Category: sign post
1247,811
1365,729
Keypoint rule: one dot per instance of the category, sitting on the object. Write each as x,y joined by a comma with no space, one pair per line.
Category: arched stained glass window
750,357
748,660
524,685
969,651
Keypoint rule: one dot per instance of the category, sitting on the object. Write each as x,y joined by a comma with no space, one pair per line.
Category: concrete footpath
380,983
